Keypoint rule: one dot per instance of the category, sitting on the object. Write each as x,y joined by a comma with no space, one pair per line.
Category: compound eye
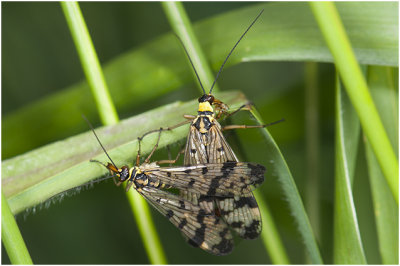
203,98
124,174
210,99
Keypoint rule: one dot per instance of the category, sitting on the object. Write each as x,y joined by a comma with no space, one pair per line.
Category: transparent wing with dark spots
202,229
195,153
241,213
222,179
209,148
219,150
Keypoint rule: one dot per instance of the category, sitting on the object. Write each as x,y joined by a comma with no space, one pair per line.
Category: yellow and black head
205,104
122,173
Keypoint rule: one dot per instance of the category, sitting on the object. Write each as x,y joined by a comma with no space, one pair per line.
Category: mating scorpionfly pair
215,189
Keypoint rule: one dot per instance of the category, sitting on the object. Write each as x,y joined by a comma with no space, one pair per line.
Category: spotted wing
195,151
207,148
241,213
202,229
225,179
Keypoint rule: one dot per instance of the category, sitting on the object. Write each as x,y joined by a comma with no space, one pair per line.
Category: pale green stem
109,116
270,235
11,236
312,144
90,62
337,40
292,195
180,23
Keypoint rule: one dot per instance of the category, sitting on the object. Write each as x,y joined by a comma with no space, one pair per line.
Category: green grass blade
285,32
34,177
312,200
90,62
346,230
181,25
270,234
277,164
108,114
385,96
147,230
356,86
11,236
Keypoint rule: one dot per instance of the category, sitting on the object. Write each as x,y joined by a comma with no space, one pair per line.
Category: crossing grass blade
90,62
180,23
346,229
385,95
355,84
11,236
270,234
34,177
109,116
183,28
276,163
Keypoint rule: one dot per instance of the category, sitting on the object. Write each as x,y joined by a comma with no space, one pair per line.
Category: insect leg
172,161
189,117
246,106
128,186
229,127
139,151
169,154
154,148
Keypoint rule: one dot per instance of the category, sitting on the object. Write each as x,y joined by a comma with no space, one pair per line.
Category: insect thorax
142,179
203,122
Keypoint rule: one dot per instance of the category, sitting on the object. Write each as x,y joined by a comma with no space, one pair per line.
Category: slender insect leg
154,148
182,151
140,146
128,186
169,154
150,132
229,127
189,119
247,105
139,151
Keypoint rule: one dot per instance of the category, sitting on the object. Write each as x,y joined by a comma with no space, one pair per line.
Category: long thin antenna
226,59
94,132
197,75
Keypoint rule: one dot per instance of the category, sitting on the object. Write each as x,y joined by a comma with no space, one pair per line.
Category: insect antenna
197,75
98,140
226,59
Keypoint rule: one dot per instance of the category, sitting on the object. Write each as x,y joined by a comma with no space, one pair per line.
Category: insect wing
207,148
241,213
195,152
202,229
226,179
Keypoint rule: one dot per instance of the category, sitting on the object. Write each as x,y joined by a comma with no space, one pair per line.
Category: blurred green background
96,225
